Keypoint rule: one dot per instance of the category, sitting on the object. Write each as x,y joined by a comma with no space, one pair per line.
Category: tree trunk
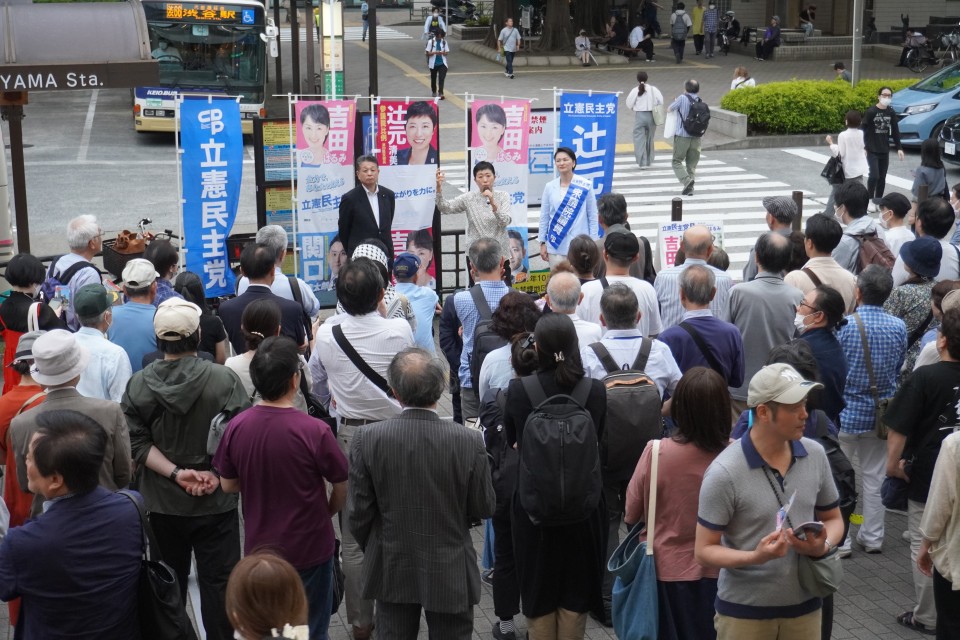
589,15
502,9
557,35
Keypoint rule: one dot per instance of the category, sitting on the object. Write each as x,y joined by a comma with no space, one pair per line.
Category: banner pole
178,101
291,101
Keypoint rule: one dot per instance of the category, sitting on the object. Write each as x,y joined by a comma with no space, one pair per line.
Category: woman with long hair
642,100
584,256
213,336
560,568
701,412
931,173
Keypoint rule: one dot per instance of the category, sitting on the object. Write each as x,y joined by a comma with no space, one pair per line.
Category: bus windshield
228,57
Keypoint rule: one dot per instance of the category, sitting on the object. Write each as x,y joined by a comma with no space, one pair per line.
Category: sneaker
511,76
441,97
500,635
506,75
486,577
688,190
844,552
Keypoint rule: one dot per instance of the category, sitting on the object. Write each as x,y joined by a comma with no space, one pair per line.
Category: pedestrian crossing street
724,192
349,33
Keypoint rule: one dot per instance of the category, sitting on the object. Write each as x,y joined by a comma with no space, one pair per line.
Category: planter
461,32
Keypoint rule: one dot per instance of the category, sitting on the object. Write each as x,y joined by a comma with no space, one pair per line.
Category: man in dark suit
256,263
366,211
416,482
76,568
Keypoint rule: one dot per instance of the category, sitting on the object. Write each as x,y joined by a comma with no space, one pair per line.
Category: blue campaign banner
588,125
212,166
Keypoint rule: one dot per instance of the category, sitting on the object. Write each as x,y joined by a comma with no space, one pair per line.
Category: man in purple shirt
702,340
280,458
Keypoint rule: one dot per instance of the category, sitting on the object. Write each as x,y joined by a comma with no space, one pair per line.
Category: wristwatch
173,474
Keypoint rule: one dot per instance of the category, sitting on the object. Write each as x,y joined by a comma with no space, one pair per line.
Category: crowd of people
752,398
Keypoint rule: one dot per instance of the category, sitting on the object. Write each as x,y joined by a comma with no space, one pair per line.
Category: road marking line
807,154
88,126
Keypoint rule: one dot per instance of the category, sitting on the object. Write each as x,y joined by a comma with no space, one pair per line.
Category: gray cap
25,346
782,208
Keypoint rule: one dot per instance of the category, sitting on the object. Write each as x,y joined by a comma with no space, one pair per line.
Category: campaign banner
500,134
406,144
588,125
670,235
211,167
543,140
325,132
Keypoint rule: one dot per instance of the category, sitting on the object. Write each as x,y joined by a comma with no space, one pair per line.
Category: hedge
805,106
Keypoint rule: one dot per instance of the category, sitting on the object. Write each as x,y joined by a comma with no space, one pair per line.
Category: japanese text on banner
212,165
588,125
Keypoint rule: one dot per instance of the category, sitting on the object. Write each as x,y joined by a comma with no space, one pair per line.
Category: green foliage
480,21
804,106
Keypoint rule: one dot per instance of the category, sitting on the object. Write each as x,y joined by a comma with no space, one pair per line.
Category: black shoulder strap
581,392
822,429
150,548
605,358
534,389
813,277
957,249
295,290
702,345
477,294
359,363
640,364
73,269
919,331
604,282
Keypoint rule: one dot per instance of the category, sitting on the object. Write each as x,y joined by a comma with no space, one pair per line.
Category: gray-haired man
289,287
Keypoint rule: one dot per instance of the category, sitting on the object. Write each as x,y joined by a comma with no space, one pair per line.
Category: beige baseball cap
175,319
779,383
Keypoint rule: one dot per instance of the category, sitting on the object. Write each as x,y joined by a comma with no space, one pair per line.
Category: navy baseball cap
406,265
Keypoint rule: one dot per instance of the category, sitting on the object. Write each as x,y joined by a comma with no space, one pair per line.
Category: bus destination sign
198,12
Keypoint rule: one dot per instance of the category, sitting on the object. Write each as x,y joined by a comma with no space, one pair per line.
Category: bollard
923,192
676,210
798,219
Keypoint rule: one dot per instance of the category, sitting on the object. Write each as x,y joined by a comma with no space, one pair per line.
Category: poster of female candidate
325,132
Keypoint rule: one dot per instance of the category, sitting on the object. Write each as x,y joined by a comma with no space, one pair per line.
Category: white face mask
886,101
798,322
884,221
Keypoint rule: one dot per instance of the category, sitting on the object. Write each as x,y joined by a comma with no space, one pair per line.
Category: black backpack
484,339
843,474
559,479
503,457
633,412
698,118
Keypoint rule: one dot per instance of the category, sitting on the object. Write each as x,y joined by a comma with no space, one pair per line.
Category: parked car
923,108
950,141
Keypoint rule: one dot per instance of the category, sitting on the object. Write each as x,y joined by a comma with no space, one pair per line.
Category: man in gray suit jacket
416,482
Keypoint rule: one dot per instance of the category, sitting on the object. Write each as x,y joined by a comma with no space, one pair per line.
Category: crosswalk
349,33
724,192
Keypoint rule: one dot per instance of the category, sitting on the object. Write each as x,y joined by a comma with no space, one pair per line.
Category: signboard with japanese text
500,134
588,125
325,154
212,165
540,162
406,144
670,234
277,150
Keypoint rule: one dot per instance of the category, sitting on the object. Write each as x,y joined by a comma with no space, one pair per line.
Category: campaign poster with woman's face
325,132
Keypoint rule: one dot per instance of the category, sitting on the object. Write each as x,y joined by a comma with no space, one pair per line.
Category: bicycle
922,54
117,252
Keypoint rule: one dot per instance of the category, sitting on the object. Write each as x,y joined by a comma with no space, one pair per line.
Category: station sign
68,76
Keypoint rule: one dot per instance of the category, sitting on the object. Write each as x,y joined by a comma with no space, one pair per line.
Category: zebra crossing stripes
353,34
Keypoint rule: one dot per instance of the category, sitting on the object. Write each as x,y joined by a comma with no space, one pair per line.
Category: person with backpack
287,287
637,372
701,412
693,116
474,308
558,514
680,25
75,269
861,244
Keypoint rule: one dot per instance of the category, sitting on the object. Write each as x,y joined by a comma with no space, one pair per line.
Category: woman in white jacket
853,154
643,99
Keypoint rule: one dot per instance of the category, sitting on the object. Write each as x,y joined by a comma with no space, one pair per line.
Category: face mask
886,101
798,322
838,216
884,222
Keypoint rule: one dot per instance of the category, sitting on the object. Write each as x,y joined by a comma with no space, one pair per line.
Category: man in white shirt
108,371
275,237
563,296
894,208
822,234
698,246
359,400
620,251
935,218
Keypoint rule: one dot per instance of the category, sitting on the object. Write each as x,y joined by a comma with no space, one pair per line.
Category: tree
558,34
589,15
502,9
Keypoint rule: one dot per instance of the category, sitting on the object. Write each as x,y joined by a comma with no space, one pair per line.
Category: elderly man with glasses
76,269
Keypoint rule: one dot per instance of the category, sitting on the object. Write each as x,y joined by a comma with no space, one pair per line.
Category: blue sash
568,210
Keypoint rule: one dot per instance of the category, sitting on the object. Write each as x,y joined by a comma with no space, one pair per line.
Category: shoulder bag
161,613
819,576
880,406
635,599
833,170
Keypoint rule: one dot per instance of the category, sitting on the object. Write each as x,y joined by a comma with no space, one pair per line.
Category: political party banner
670,234
540,169
325,132
211,168
500,134
588,125
406,144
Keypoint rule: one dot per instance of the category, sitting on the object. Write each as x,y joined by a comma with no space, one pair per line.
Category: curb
771,142
479,50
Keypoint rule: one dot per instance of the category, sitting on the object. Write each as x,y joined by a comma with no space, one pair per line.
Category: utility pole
372,59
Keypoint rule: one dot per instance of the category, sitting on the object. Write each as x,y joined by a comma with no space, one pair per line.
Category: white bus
204,48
